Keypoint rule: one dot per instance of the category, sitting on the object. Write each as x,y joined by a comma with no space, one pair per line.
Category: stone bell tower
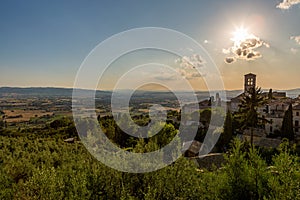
250,82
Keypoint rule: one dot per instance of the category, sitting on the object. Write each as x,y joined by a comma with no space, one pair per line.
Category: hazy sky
43,43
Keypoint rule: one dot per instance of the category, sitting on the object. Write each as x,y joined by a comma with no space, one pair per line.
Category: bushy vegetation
36,163
44,167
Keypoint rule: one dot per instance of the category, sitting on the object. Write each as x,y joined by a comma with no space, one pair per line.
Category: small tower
250,82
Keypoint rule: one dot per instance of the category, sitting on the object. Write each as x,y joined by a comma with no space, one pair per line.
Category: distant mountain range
67,92
42,91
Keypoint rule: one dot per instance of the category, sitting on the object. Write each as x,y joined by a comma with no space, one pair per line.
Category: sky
44,43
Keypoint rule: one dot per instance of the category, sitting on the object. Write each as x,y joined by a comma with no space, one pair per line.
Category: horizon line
53,87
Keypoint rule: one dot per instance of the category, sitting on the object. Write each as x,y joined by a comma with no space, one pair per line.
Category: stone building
273,110
296,119
250,82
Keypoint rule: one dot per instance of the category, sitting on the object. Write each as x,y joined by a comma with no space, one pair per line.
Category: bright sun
240,35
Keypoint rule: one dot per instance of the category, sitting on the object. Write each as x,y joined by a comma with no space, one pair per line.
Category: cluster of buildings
273,110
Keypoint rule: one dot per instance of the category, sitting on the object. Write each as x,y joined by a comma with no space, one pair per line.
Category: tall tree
226,136
248,113
270,94
227,133
287,124
1,124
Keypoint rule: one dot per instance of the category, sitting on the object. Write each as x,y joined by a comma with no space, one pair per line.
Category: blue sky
43,43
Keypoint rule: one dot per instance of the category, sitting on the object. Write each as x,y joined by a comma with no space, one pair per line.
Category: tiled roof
238,98
250,74
296,107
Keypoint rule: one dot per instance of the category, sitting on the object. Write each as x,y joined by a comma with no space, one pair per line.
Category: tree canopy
248,115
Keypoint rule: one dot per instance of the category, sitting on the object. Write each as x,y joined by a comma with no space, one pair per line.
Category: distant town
272,110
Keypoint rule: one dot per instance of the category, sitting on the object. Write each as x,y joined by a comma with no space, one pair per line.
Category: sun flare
240,35
244,46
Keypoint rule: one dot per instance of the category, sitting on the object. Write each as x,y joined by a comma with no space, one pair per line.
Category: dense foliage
36,163
42,166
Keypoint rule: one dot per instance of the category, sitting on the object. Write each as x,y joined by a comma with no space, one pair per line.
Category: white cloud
226,51
191,62
244,49
286,4
191,74
165,77
294,51
296,38
229,60
189,65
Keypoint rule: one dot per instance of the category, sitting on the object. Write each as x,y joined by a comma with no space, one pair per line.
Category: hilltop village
273,110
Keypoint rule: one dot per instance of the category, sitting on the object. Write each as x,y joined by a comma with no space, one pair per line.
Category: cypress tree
226,136
287,124
270,94
1,124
